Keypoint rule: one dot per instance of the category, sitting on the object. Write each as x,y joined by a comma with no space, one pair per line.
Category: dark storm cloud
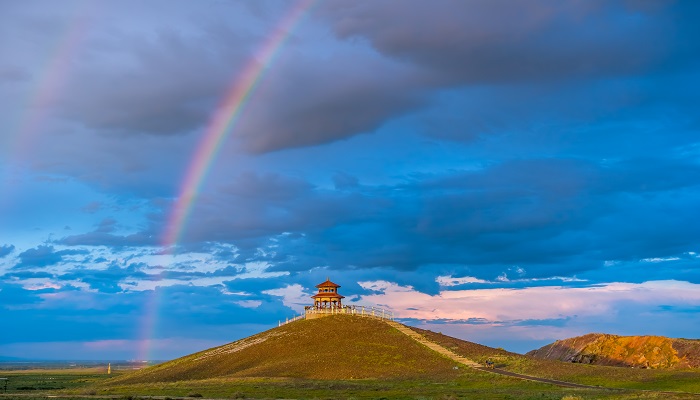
43,256
502,41
342,181
551,216
13,296
107,280
10,74
525,65
168,82
519,283
681,267
128,68
326,103
92,207
6,250
96,238
554,217
22,275
107,225
556,116
171,82
171,86
104,235
256,206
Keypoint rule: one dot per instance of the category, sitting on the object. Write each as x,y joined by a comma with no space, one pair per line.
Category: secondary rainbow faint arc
50,80
224,119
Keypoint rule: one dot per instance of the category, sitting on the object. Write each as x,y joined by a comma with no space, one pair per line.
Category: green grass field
469,384
40,382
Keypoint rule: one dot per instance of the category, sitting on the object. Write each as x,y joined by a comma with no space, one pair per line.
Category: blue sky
510,173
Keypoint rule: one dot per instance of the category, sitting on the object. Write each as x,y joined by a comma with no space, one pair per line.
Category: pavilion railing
288,320
362,311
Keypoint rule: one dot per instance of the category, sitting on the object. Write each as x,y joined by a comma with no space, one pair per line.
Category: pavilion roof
330,295
327,283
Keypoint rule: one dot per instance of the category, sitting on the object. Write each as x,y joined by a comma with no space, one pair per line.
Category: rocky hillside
631,351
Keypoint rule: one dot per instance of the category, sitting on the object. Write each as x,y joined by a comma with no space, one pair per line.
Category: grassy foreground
43,382
469,384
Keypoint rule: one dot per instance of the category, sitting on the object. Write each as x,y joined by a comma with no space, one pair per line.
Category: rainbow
224,119
215,134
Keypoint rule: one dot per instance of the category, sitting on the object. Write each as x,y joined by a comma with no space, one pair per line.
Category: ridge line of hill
432,345
472,364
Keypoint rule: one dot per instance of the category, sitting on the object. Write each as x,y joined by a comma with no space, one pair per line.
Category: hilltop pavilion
327,296
329,302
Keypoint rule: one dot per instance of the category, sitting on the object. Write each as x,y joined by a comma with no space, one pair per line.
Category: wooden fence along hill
311,312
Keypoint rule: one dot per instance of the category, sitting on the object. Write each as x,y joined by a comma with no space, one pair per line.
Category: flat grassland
469,384
28,383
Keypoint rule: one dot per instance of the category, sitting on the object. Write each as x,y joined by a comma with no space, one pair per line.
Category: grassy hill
334,347
350,357
630,351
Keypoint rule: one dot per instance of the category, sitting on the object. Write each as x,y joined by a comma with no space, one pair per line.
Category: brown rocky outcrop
630,351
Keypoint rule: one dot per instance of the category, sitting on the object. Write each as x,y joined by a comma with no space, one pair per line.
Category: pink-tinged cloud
107,344
533,303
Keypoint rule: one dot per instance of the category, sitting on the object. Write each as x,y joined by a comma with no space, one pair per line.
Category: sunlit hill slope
334,347
355,348
632,351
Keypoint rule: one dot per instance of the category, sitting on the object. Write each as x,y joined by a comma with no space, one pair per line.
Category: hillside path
472,364
432,345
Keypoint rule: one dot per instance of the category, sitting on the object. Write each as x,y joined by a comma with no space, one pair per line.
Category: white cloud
293,296
660,259
39,284
249,303
536,303
250,270
34,284
447,281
